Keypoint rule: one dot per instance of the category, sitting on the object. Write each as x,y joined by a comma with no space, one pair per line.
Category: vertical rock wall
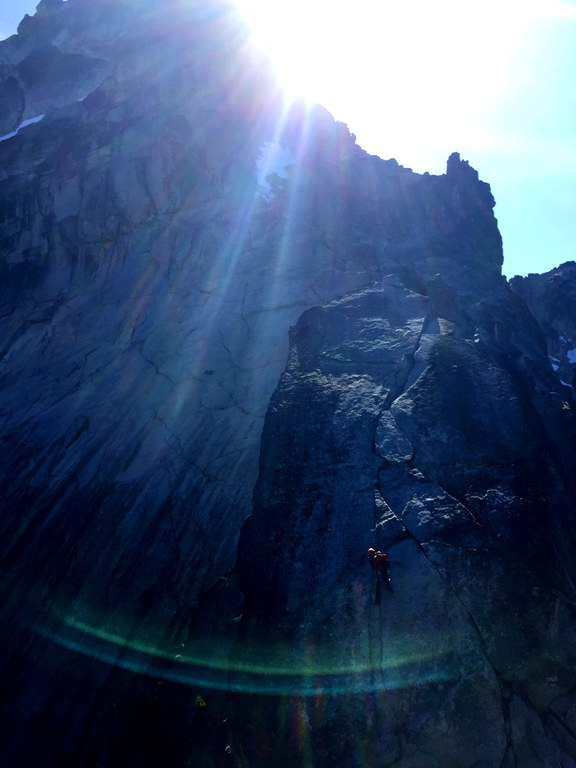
165,220
429,438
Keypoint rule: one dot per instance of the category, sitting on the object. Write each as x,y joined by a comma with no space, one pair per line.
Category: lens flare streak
228,673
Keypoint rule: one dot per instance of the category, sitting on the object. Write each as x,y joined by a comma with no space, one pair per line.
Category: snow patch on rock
23,124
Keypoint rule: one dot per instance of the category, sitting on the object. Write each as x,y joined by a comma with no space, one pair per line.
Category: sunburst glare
418,73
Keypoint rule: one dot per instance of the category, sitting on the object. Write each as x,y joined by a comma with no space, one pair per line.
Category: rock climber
381,564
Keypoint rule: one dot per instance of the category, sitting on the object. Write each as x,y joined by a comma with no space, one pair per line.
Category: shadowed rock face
552,299
216,308
393,427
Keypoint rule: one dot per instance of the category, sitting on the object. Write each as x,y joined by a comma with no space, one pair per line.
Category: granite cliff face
236,351
397,427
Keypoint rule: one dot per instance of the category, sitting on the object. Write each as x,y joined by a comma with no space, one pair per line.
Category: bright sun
404,67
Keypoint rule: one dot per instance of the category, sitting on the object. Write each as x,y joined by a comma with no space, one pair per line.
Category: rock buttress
396,427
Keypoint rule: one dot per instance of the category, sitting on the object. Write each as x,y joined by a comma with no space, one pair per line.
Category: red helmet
371,550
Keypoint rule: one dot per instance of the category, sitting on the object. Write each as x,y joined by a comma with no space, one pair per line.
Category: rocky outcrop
166,219
395,427
552,300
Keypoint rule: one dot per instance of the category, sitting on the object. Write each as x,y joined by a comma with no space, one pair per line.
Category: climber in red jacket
381,564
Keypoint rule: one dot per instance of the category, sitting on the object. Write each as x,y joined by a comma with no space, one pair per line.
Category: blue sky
417,80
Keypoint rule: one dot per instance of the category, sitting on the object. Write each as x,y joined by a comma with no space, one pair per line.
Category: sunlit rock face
166,221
